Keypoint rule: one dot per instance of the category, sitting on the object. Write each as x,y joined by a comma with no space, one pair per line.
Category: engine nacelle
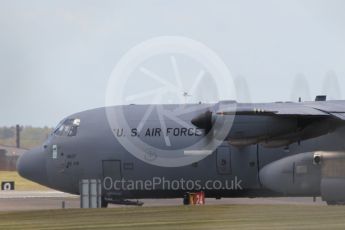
308,174
333,176
245,129
296,175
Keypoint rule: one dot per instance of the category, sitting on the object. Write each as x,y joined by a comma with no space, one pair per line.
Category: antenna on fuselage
185,95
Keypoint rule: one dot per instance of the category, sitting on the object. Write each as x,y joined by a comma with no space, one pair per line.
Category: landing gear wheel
331,203
186,199
104,203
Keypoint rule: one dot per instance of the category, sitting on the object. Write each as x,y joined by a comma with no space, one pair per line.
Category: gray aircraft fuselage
93,151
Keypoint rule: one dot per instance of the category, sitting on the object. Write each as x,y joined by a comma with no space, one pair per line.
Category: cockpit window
68,127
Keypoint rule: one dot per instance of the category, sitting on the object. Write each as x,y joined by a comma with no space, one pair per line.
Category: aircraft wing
319,109
277,124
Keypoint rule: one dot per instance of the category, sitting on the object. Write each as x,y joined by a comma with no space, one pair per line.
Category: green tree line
30,136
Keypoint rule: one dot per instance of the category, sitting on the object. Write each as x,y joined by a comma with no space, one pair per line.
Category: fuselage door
112,177
224,160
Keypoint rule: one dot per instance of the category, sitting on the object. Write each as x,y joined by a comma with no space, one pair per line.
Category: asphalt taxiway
46,200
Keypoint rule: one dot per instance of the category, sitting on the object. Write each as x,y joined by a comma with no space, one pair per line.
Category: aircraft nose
32,166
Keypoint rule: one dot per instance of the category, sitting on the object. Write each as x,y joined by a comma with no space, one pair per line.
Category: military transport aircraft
264,150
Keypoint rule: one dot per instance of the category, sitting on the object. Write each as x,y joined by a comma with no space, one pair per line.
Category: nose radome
32,166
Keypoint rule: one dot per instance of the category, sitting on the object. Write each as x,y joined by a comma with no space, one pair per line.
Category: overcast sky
56,56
